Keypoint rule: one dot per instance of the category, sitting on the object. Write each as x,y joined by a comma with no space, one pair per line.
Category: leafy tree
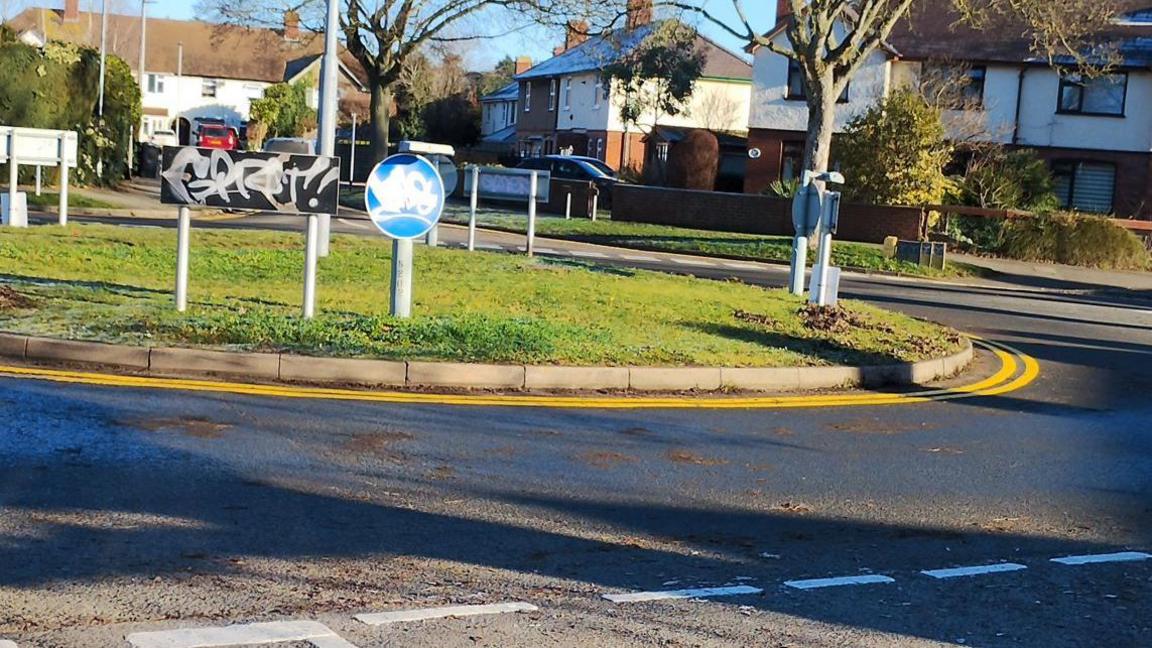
896,152
657,76
997,178
500,76
832,39
383,35
452,120
283,111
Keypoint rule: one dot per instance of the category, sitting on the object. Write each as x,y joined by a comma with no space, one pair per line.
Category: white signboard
39,146
509,184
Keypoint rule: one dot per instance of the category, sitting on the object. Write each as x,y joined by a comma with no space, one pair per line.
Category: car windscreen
592,169
600,166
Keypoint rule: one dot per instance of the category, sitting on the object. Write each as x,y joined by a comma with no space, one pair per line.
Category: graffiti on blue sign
404,196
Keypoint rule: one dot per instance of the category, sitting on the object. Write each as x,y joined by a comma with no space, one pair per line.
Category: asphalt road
129,510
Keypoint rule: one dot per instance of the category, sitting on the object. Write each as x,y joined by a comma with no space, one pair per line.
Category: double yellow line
1016,371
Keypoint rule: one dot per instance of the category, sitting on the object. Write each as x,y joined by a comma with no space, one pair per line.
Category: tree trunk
381,113
821,124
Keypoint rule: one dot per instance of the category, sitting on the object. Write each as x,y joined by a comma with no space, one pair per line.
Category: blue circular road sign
405,196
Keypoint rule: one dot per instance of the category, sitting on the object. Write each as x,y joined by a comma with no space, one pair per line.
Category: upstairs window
956,87
1103,95
567,93
552,95
208,87
796,91
155,83
527,96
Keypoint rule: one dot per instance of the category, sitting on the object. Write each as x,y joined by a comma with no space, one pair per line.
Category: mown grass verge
113,284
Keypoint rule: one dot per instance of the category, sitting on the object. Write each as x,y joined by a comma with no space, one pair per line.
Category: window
528,96
597,91
512,115
552,95
599,148
956,87
155,83
503,114
791,161
796,91
567,93
569,170
1104,95
208,87
662,151
1086,186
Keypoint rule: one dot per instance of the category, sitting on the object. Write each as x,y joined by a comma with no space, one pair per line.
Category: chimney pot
71,11
523,64
291,26
639,13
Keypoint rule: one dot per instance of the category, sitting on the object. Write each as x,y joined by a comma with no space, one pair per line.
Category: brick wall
753,214
1133,193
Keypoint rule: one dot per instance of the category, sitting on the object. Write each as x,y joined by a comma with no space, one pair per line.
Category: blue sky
534,42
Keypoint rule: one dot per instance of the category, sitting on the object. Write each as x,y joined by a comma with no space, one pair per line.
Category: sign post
271,182
475,197
404,198
531,246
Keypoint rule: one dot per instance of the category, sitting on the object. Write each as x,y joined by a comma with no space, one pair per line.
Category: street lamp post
103,66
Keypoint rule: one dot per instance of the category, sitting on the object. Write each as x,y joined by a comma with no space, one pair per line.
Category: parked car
293,145
218,136
577,167
164,138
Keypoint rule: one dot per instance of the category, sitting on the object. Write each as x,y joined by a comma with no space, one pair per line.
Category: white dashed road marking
741,266
591,255
706,592
546,251
1090,559
637,257
691,262
351,223
817,583
317,634
423,614
976,570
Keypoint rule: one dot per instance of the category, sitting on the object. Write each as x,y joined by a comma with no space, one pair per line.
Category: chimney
523,64
783,9
291,26
639,13
71,11
575,32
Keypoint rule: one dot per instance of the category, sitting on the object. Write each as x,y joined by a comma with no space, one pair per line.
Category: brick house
1096,133
564,105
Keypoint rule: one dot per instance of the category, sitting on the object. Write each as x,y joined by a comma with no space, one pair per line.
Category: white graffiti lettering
226,178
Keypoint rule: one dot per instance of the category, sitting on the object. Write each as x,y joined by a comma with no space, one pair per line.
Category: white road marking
638,257
351,223
380,618
706,592
546,251
593,255
692,262
135,227
487,246
741,266
234,635
817,583
1121,556
976,570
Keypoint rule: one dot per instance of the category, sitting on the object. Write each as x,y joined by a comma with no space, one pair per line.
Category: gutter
1019,102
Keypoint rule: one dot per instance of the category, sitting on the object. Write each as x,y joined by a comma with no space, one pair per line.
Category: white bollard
532,214
472,203
38,182
183,231
311,245
595,201
432,238
820,281
13,179
568,207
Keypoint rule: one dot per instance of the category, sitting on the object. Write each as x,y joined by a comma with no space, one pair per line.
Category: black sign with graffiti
275,182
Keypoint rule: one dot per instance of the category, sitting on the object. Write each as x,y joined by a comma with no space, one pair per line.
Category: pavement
129,512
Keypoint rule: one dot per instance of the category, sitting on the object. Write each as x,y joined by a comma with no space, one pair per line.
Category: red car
219,137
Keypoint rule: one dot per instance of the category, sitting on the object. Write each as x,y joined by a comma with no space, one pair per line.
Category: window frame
802,95
1074,165
1067,82
214,84
596,91
527,96
567,93
552,92
155,83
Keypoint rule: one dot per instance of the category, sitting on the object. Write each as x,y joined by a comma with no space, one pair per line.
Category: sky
481,55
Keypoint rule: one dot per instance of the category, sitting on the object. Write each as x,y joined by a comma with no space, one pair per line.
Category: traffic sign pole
183,231
401,278
531,247
799,263
472,207
311,246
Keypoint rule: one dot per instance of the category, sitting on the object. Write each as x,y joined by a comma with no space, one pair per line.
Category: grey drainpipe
1019,101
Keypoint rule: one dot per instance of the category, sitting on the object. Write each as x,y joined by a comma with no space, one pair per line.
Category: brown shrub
693,162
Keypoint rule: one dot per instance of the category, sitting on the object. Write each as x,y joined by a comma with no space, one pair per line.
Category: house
498,114
565,105
1095,132
196,70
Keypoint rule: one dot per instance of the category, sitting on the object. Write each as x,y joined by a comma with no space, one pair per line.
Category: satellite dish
754,153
